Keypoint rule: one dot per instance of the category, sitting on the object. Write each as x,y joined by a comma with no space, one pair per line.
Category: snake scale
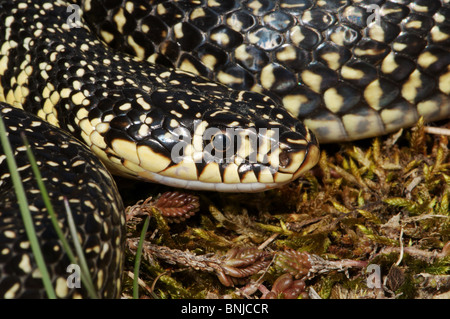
206,74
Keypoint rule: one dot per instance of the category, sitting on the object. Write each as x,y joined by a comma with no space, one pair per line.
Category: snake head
240,142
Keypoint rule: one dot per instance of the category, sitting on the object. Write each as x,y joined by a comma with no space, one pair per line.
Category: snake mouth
227,161
295,161
283,164
300,161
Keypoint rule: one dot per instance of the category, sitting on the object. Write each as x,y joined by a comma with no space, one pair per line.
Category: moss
366,201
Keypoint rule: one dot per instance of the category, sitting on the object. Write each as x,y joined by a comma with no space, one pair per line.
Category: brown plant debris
237,265
305,265
174,206
380,205
285,287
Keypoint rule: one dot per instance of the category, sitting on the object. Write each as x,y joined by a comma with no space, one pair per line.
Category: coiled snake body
321,61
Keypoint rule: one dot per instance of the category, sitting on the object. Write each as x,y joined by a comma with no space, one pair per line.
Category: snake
227,96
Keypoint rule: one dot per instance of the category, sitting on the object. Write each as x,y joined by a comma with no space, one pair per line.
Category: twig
268,241
140,282
437,130
400,258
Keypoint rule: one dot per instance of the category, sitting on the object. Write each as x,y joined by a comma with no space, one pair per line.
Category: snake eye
284,159
221,142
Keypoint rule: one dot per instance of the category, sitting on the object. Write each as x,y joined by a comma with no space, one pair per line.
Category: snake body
348,69
70,171
314,60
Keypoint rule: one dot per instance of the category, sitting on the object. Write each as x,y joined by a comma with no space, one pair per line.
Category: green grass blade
137,261
25,212
46,199
85,275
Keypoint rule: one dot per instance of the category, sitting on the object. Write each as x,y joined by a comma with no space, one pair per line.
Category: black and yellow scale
347,69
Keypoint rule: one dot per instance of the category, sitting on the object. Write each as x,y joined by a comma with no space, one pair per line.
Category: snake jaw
298,157
226,150
310,160
258,162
